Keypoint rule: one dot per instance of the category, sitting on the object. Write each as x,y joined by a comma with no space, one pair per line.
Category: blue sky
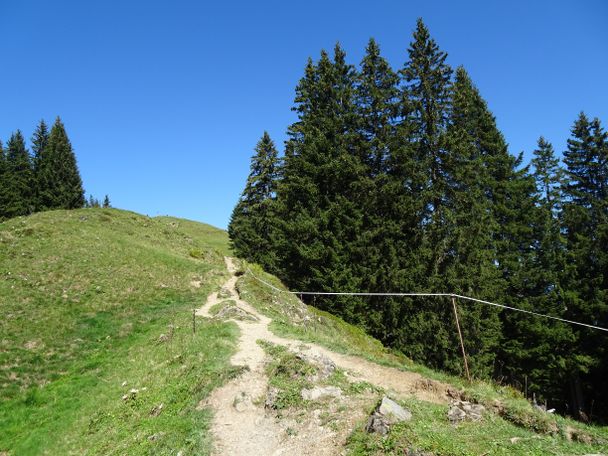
164,101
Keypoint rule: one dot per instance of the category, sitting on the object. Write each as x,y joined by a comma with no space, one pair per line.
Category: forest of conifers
47,178
400,181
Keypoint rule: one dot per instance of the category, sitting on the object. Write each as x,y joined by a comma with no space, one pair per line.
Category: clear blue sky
164,101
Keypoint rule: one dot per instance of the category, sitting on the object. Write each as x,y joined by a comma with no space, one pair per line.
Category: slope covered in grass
97,352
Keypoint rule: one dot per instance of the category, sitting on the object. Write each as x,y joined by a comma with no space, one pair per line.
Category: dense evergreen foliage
46,179
402,181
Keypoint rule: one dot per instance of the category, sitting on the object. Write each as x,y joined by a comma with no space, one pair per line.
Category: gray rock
393,412
242,402
271,397
319,392
325,365
232,311
463,410
387,413
224,293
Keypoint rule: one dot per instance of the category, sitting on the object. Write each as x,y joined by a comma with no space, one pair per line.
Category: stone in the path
320,392
242,402
224,293
387,413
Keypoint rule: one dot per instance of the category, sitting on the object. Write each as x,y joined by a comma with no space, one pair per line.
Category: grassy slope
535,432
84,297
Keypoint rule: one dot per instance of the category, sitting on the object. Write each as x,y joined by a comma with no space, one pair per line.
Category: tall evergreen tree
377,102
586,278
59,182
322,181
251,227
19,195
39,140
424,329
538,349
426,99
3,182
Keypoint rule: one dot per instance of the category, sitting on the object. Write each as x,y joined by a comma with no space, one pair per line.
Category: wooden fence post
464,355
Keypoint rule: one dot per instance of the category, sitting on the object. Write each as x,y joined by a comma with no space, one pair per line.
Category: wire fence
449,295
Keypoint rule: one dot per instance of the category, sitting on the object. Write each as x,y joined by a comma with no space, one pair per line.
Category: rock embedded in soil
387,413
320,392
464,410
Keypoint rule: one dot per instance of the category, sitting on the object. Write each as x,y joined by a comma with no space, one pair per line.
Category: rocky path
241,425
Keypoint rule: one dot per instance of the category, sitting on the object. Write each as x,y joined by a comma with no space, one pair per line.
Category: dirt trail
241,425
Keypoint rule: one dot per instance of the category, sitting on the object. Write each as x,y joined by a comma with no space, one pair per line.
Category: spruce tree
39,140
318,195
377,97
538,349
468,265
251,227
423,329
19,193
3,182
59,182
585,219
106,201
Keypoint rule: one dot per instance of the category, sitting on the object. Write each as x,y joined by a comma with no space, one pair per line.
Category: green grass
430,431
538,432
95,299
293,319
288,374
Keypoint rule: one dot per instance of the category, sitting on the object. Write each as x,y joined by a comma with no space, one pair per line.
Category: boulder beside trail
387,413
463,410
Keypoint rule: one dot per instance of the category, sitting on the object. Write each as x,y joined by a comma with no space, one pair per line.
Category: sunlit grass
97,302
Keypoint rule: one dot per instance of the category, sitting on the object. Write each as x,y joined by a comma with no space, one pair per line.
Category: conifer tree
106,201
39,140
251,225
585,219
3,182
424,330
377,97
426,97
537,349
19,195
318,195
59,182
468,264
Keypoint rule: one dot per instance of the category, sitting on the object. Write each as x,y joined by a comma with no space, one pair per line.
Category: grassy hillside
96,333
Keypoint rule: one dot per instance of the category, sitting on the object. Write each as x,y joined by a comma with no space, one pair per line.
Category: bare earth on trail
242,425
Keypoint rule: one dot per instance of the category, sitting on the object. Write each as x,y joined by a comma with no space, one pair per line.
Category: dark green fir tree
19,182
40,139
59,182
3,182
251,227
585,220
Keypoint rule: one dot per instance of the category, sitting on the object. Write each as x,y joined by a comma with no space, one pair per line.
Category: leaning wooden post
464,355
193,321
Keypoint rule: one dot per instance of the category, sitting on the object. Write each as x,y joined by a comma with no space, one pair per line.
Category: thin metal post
193,321
464,355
